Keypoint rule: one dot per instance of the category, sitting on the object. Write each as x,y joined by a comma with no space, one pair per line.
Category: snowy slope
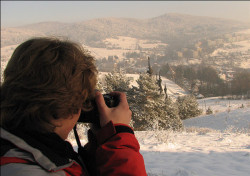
218,104
195,154
227,114
235,120
219,145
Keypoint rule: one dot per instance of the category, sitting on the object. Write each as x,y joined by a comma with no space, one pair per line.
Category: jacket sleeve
118,152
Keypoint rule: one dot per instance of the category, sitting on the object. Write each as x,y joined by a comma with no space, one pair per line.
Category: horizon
20,13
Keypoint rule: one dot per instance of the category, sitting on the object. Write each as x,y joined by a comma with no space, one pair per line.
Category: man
47,83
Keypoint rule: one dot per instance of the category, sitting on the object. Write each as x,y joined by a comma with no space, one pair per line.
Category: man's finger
101,105
122,98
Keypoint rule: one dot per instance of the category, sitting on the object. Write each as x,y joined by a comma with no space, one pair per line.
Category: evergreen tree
188,107
99,87
166,91
209,111
150,70
149,109
174,120
159,81
116,81
142,102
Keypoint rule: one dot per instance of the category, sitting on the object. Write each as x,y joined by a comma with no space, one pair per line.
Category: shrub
209,111
188,107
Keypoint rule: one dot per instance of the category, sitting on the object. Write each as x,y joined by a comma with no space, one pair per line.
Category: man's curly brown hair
46,79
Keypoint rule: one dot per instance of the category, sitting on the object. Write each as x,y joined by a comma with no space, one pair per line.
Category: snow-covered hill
15,36
227,114
219,104
235,120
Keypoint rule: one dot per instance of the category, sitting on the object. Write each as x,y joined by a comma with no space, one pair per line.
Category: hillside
14,36
175,39
233,115
166,28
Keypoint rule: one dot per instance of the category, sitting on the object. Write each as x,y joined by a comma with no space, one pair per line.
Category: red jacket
114,150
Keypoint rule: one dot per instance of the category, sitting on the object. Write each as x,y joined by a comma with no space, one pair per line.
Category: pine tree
174,120
188,107
209,111
166,91
116,81
143,99
159,81
150,70
150,111
99,87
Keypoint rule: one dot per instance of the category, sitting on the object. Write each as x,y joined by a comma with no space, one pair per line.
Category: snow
196,154
246,31
245,64
243,46
209,145
219,104
100,53
235,120
217,144
132,43
120,45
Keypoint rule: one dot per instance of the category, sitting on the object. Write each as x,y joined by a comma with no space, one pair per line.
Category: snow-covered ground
209,145
235,120
243,46
218,104
227,114
195,154
132,43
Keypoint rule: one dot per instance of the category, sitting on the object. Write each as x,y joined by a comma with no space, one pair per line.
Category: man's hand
120,114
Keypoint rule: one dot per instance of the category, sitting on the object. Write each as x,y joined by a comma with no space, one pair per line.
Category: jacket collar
36,149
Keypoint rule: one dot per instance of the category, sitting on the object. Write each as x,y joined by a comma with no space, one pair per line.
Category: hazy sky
16,13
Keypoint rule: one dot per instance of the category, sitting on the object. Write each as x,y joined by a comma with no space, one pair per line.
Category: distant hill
13,36
167,28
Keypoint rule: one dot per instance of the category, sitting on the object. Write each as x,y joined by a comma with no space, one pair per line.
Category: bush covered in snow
188,107
116,81
209,111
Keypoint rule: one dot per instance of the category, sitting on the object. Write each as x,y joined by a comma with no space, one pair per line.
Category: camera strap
81,152
77,137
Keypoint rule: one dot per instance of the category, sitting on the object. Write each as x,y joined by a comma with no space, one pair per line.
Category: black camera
93,115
